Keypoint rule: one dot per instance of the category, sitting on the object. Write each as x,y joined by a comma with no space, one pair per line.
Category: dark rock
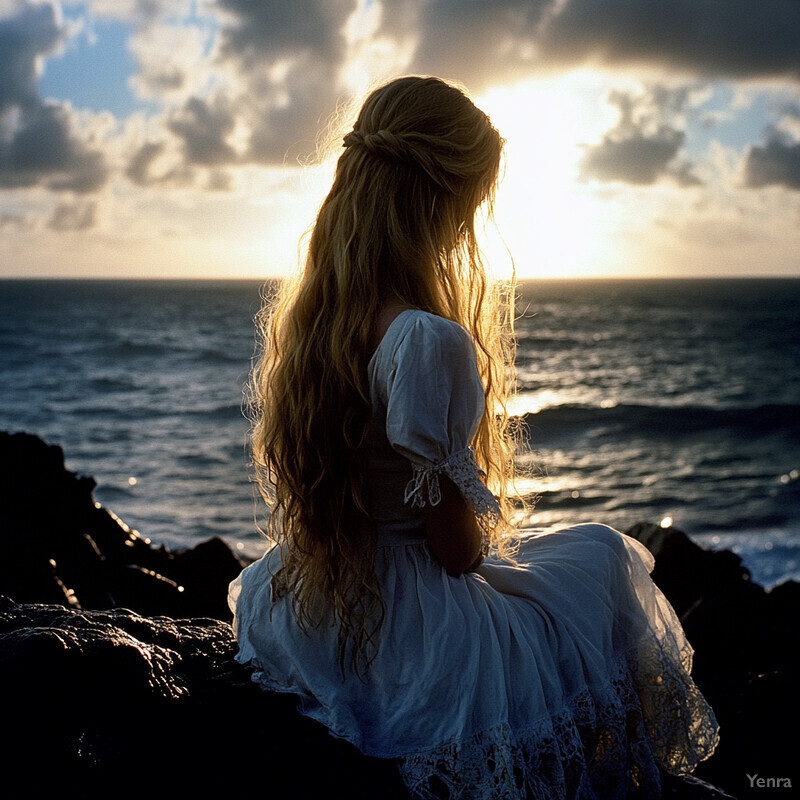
98,698
691,788
94,702
746,654
60,546
107,701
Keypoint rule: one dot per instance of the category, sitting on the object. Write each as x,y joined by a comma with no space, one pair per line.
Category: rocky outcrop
746,659
114,704
58,545
117,670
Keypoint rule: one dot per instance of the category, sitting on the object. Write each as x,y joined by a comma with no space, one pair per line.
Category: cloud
478,43
277,76
483,41
290,56
272,77
775,163
632,158
219,181
78,216
171,60
287,57
16,220
204,128
38,143
153,164
723,38
253,82
257,32
277,69
25,39
41,149
139,11
643,147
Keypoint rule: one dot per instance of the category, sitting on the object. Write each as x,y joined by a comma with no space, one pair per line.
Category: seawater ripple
668,421
653,399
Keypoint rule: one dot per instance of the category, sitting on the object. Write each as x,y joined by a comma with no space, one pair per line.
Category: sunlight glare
552,226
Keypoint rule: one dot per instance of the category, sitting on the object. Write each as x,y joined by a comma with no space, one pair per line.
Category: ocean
644,400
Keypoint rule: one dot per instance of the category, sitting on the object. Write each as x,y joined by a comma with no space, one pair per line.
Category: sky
169,138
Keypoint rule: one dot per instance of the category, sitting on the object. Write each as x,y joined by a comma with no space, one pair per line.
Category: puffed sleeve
434,403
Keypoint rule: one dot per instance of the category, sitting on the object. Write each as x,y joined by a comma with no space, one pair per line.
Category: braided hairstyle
397,227
413,150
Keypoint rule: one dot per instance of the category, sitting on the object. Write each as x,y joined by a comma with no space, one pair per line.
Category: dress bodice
561,675
427,400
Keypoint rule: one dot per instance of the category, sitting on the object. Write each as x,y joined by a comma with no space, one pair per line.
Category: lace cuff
465,473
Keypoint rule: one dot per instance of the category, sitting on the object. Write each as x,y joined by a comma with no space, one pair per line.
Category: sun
551,224
546,221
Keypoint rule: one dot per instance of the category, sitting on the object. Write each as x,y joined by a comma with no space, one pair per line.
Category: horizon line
254,279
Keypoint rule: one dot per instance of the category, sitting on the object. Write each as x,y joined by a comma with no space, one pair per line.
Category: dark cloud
733,38
632,158
24,39
486,42
42,150
143,168
483,41
37,143
159,78
288,55
683,174
150,10
642,148
138,169
219,181
283,132
792,110
776,163
204,126
259,31
475,42
78,216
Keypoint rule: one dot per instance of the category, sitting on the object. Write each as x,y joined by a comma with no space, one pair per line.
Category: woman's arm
453,531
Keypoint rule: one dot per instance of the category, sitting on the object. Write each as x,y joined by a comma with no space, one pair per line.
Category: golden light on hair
397,227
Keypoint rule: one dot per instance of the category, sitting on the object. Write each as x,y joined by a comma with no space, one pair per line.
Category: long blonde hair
397,227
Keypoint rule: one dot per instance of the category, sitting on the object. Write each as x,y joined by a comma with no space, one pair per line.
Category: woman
396,601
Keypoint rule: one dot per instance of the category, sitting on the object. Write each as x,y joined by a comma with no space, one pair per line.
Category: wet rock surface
117,668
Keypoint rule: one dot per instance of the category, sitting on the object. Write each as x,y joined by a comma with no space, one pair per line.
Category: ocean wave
130,349
215,356
110,385
666,421
227,411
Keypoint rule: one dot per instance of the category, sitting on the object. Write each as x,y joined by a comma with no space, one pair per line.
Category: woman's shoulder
421,328
419,339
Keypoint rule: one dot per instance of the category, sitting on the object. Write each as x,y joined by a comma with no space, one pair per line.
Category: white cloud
235,91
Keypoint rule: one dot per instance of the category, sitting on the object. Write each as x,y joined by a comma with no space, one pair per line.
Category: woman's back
562,674
427,400
387,604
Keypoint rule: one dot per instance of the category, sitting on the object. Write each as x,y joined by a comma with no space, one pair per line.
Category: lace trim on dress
462,468
606,743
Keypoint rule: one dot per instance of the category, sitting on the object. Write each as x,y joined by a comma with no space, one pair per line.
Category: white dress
563,675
